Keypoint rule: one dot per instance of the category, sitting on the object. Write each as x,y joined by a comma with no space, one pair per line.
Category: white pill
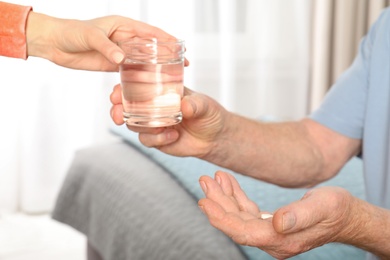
266,215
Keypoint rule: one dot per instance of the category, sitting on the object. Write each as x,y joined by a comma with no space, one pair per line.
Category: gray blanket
131,208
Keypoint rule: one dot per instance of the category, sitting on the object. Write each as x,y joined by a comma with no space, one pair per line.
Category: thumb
194,105
299,215
111,51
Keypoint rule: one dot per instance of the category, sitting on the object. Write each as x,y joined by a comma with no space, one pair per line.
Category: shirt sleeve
13,20
343,108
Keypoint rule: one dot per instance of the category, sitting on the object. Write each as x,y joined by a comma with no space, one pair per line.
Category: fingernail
289,221
193,105
118,57
203,185
218,179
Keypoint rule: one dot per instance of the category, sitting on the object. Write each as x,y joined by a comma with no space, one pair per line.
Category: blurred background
259,58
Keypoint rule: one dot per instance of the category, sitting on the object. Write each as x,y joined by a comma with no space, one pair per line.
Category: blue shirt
358,106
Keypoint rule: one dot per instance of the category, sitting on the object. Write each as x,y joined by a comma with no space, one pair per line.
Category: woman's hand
85,45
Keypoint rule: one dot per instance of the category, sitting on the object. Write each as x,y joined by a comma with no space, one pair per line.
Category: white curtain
250,55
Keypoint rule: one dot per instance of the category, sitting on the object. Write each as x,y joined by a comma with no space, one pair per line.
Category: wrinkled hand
322,216
87,45
203,120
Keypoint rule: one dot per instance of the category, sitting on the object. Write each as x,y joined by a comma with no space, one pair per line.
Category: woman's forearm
39,30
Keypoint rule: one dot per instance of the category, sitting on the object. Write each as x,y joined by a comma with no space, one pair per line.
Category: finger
168,136
194,106
214,192
244,202
116,95
244,232
224,181
117,114
116,28
97,40
232,188
146,130
230,224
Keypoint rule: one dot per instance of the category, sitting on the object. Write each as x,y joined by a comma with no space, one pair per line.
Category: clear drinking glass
152,81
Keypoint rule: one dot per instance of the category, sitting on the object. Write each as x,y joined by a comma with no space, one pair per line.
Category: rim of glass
150,41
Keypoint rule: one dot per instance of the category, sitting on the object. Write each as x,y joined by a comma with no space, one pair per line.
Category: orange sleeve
13,20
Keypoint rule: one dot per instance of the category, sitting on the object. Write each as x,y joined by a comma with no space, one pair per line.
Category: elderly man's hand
198,133
322,216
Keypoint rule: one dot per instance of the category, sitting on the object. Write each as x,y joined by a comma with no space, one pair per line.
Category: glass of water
152,81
